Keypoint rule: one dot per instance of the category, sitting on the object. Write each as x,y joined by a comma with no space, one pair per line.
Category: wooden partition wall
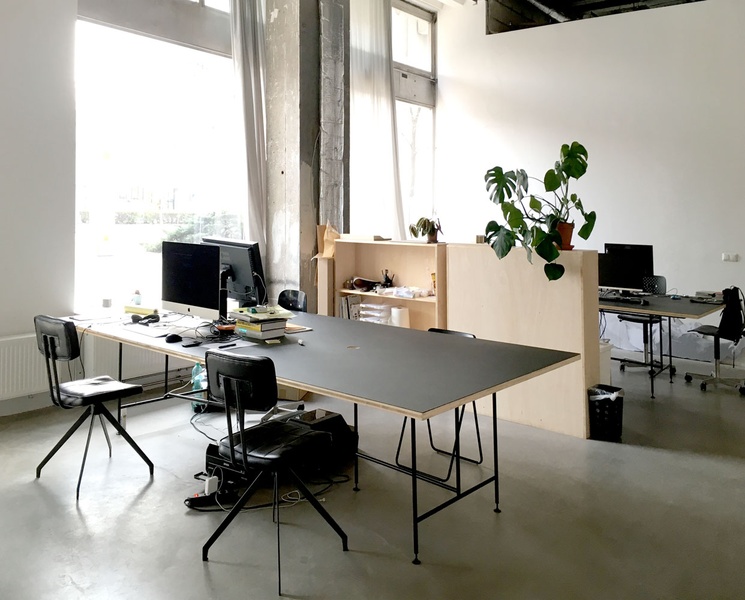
511,300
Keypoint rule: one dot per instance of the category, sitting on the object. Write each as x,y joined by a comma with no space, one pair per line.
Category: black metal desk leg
456,445
165,379
414,507
356,487
119,402
669,347
496,453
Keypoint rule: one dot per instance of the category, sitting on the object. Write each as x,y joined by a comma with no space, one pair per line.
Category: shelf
427,299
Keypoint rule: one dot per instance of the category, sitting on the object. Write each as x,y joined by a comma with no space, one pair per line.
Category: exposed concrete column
292,93
334,107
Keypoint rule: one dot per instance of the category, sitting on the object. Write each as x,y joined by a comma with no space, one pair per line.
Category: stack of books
260,330
266,324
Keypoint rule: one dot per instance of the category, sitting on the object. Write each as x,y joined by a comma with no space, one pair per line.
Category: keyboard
623,300
152,332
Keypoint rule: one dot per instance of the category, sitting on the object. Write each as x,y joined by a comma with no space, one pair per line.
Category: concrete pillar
292,93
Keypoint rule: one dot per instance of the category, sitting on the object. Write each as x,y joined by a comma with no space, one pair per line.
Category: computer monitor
624,266
191,279
243,273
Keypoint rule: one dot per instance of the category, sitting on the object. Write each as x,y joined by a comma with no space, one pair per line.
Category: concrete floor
658,516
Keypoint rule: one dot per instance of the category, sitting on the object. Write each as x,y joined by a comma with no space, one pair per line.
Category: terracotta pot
565,231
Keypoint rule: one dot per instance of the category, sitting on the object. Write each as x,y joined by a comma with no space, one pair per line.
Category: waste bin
606,412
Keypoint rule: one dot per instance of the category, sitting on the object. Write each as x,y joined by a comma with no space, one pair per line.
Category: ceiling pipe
556,16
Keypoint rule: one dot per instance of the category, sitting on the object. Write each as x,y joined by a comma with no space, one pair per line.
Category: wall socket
730,257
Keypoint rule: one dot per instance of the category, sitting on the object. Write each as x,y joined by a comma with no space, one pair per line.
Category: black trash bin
606,412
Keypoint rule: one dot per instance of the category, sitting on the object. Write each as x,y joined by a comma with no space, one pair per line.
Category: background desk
412,373
666,307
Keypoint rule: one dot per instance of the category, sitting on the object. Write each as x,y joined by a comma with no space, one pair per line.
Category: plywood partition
511,300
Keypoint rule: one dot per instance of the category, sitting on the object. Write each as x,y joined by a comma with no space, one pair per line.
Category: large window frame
415,87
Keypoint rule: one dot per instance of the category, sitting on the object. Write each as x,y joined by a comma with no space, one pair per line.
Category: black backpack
733,320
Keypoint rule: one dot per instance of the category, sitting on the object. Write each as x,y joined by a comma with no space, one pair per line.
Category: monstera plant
536,222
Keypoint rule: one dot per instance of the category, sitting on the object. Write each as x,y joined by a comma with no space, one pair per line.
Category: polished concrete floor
657,516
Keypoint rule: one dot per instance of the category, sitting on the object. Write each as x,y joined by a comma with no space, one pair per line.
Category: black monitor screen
624,266
242,269
191,279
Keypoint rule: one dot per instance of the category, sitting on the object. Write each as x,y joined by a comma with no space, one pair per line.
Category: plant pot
432,238
565,231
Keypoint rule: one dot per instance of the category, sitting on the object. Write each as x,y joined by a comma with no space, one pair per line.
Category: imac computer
624,266
242,271
191,279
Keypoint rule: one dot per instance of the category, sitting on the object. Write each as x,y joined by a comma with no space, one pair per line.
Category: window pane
223,5
415,159
158,157
412,40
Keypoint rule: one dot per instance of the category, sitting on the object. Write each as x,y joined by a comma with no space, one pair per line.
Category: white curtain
247,18
374,186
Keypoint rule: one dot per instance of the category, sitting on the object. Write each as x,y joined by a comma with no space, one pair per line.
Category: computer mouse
172,338
644,302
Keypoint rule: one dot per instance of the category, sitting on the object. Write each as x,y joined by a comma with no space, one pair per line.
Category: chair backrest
654,284
241,382
56,340
733,315
451,332
293,300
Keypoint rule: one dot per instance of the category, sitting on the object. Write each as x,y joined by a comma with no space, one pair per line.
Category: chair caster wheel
622,367
673,370
688,378
703,387
741,389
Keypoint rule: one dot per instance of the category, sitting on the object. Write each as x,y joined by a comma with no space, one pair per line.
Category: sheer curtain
375,189
247,20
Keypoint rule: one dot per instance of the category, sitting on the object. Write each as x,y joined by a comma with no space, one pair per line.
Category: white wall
656,96
37,160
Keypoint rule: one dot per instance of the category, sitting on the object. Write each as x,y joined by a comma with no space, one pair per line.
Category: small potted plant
535,221
428,227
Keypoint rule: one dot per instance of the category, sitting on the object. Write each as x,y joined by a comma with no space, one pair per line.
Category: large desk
411,373
666,307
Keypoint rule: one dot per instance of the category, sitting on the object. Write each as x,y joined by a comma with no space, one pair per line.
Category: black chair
657,285
458,424
57,341
730,328
273,447
293,300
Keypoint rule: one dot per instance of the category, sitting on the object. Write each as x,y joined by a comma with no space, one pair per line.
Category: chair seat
707,330
83,392
275,444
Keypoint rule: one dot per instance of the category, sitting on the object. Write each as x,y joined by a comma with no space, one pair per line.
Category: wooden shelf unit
409,263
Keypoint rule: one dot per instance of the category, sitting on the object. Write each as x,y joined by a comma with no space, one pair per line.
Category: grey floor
658,516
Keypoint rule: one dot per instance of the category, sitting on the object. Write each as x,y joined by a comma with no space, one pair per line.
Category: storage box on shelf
409,263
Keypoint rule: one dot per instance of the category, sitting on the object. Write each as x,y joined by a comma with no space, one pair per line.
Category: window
415,89
158,157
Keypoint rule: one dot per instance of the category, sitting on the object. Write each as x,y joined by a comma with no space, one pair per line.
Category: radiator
22,370
23,373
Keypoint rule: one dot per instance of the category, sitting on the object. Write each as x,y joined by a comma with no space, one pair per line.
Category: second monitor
624,266
243,273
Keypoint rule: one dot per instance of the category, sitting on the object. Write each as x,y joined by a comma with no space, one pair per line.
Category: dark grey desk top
413,373
664,306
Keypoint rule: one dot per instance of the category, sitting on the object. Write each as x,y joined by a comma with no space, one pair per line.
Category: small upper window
412,37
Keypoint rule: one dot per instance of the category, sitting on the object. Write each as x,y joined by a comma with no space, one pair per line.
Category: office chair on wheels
657,285
730,328
57,341
459,423
293,300
271,448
